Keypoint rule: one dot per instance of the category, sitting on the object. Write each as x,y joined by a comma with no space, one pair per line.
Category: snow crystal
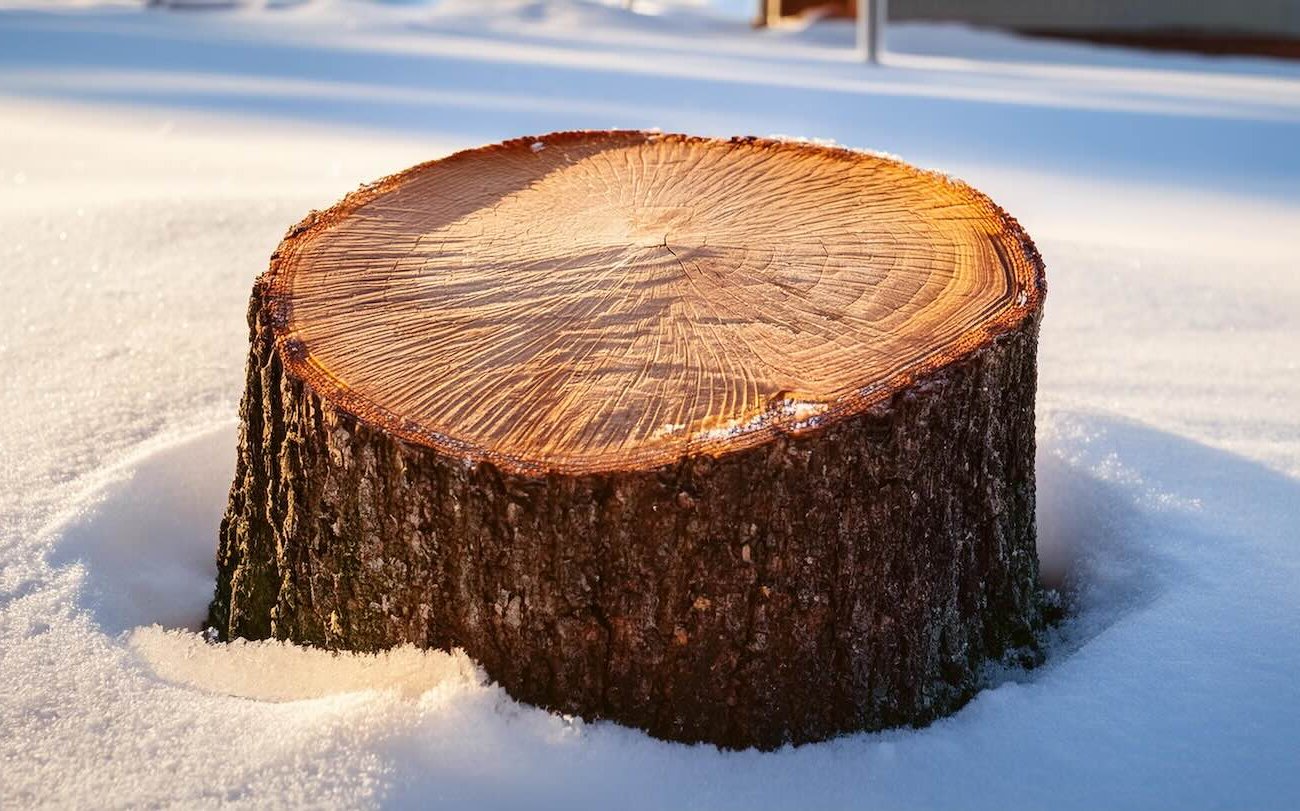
668,428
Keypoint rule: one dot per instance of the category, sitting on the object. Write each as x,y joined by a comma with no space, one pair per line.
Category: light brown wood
616,300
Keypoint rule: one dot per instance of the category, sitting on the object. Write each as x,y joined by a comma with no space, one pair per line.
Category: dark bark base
851,580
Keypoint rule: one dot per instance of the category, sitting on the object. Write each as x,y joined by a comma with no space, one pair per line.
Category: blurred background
1269,27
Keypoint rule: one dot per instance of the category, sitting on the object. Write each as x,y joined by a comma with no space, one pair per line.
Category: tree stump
731,441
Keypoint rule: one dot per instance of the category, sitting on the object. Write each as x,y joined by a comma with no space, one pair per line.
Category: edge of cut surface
1025,268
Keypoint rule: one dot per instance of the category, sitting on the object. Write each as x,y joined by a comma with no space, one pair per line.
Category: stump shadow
1097,547
148,543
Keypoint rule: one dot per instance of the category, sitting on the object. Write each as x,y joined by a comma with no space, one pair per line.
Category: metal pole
871,25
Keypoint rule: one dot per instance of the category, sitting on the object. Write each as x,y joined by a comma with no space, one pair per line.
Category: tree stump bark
732,441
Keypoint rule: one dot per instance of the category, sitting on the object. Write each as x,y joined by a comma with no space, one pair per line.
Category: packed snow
150,159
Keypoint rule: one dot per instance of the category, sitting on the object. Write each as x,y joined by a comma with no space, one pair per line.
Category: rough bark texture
851,579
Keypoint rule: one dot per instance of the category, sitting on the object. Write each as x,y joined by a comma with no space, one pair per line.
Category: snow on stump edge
731,441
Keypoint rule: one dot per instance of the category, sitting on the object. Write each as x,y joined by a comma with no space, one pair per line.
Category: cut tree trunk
732,441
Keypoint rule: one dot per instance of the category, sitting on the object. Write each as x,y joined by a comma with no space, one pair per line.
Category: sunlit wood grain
593,301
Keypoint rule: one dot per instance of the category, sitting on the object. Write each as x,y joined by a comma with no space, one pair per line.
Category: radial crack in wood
729,440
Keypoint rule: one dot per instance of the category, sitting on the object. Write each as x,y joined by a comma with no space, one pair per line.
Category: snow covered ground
151,159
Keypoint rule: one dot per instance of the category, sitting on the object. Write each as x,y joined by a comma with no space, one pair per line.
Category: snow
151,159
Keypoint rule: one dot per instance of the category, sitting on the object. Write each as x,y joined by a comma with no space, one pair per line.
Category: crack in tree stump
732,441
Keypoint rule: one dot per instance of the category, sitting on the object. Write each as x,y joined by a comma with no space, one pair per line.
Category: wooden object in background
772,11
732,441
